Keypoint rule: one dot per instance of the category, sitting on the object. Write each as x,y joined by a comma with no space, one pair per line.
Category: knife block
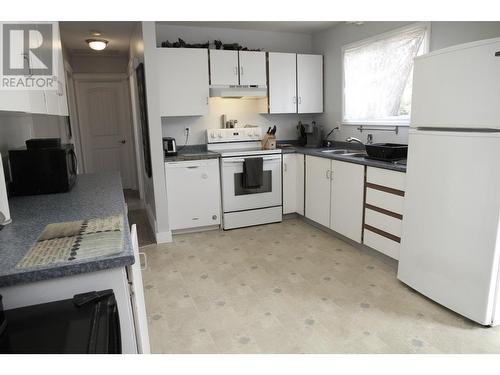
269,142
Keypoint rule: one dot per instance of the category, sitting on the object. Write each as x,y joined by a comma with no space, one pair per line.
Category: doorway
104,118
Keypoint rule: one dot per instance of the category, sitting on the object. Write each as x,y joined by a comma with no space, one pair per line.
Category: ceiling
305,27
73,35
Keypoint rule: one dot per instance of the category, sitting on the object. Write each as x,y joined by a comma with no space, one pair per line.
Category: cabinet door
193,193
253,68
183,81
282,82
317,202
137,298
347,199
310,83
224,67
55,99
289,183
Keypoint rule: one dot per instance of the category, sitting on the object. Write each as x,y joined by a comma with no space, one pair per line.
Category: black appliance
86,324
169,146
386,151
44,166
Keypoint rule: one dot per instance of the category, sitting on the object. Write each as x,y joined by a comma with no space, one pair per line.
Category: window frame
372,39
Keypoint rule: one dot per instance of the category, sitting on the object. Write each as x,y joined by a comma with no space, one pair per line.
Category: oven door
235,197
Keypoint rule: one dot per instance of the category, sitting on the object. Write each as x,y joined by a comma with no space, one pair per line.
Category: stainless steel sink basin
337,151
345,152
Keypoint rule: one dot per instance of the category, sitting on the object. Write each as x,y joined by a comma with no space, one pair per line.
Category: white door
310,83
282,82
253,68
137,298
224,68
450,245
193,193
347,199
183,81
317,202
293,183
106,130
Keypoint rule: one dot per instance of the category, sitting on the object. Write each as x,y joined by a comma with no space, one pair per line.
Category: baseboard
196,230
163,237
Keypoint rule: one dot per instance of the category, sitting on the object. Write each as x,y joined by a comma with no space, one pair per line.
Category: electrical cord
185,141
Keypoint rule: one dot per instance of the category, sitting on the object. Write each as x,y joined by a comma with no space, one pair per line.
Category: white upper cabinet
53,101
183,81
252,68
309,83
282,82
224,69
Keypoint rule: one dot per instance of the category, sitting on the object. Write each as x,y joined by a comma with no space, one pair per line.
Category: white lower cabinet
317,197
193,193
346,205
384,200
293,183
334,195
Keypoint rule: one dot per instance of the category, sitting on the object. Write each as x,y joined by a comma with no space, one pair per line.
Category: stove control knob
212,135
219,135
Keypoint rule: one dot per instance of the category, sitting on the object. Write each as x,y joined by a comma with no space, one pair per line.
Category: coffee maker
314,134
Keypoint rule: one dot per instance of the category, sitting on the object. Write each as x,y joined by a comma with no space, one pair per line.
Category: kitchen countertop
193,152
93,196
351,159
199,152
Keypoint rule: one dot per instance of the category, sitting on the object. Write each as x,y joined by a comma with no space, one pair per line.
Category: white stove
243,206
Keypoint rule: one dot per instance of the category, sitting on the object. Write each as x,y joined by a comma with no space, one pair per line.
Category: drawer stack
383,210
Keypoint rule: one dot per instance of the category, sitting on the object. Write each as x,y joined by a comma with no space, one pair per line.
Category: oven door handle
265,158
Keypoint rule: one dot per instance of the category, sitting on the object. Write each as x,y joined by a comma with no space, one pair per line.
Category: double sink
345,152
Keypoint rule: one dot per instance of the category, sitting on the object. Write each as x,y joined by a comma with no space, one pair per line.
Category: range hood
239,92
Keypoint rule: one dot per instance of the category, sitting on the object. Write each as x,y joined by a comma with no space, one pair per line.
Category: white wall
330,42
98,63
246,111
136,56
253,39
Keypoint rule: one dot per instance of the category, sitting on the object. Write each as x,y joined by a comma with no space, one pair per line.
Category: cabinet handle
193,166
328,174
207,100
300,99
294,100
331,175
235,70
241,69
284,167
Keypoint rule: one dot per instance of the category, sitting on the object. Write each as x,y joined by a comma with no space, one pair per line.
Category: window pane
378,77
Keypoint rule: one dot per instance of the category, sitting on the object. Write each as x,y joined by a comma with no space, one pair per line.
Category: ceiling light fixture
97,44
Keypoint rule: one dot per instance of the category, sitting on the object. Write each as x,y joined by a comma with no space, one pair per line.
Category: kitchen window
378,75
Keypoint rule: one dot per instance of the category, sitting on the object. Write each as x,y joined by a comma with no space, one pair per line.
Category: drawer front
387,201
385,177
384,245
383,222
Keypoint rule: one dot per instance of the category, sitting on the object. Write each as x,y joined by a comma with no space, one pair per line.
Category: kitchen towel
253,170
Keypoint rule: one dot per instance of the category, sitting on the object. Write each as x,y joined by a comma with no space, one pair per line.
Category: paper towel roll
4,203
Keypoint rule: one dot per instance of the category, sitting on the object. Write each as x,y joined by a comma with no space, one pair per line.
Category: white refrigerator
450,245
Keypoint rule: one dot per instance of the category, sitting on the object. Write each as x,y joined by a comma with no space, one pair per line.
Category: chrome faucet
352,139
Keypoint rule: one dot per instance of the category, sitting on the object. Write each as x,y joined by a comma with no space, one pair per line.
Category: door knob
123,141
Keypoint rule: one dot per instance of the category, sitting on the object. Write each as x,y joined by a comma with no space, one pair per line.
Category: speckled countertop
351,159
94,195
